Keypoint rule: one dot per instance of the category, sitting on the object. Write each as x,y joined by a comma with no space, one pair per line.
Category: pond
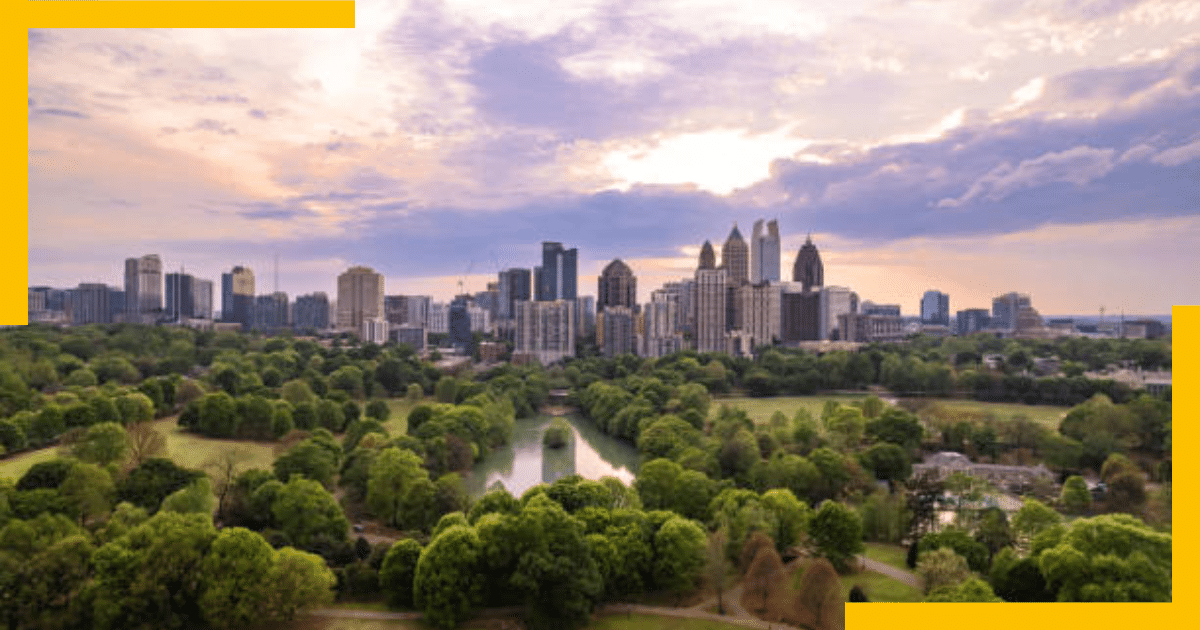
524,462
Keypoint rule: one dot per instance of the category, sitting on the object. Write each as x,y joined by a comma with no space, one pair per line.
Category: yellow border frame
340,14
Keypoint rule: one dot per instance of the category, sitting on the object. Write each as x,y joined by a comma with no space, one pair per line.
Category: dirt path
911,579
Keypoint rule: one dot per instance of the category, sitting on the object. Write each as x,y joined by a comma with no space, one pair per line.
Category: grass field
655,622
191,450
760,410
891,555
1046,415
330,623
881,588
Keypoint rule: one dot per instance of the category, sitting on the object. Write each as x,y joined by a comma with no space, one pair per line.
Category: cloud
1178,155
1079,166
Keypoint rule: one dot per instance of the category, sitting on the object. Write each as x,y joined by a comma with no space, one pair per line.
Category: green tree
555,574
105,443
304,510
836,532
233,579
297,580
310,459
218,415
1113,557
971,590
90,489
399,490
396,574
152,481
942,567
446,585
194,498
1075,497
887,461
679,550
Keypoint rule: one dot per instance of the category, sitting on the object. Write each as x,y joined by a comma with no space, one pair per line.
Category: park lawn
188,450
636,621
760,410
891,555
397,423
1048,416
314,622
881,588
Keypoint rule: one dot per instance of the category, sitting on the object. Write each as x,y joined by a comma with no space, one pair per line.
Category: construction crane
464,277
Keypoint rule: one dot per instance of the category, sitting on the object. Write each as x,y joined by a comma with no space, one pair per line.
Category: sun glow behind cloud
718,161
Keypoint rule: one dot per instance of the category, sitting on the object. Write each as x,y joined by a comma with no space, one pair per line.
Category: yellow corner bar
191,14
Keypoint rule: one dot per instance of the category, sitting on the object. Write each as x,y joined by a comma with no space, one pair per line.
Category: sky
1046,147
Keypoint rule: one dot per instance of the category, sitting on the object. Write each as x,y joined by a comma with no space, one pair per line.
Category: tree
446,585
297,580
233,579
961,542
1126,492
716,566
224,469
836,531
1113,557
147,578
1033,518
144,442
819,591
942,567
972,590
304,510
1075,497
396,575
150,482
194,498
399,490
218,415
679,549
763,571
105,443
378,410
309,459
887,461
90,489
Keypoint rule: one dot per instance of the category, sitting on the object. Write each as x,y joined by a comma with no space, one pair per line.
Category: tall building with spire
617,286
764,252
708,258
735,258
808,270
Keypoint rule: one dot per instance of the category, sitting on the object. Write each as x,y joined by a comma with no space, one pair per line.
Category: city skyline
1054,153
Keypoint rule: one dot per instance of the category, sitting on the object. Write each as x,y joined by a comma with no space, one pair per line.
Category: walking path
911,579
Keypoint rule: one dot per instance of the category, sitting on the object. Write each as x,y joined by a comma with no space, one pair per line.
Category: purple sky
977,148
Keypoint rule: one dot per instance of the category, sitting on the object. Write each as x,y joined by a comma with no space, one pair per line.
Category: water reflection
524,462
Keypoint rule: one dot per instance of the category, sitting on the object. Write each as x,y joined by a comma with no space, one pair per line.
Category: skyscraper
708,258
764,252
460,326
90,303
808,270
617,287
514,287
360,297
935,308
311,312
617,331
711,298
545,331
735,258
558,277
1006,309
143,285
237,296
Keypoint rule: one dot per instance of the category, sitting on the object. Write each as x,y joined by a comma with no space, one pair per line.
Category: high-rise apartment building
682,294
711,298
617,286
188,297
395,309
735,258
835,301
660,332
558,277
311,312
545,331
360,297
237,296
271,312
761,311
90,304
616,330
1006,309
972,320
460,325
143,285
764,252
935,308
514,287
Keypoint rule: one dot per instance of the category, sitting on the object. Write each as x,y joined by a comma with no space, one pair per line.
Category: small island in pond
557,434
